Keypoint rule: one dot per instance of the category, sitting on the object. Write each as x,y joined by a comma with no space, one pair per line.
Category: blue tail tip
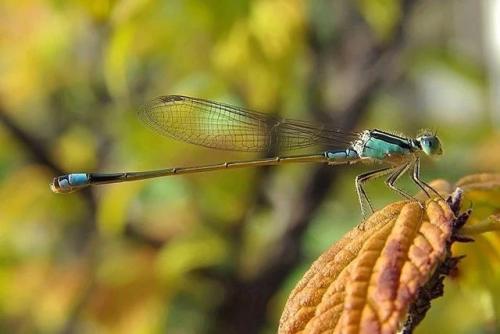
69,183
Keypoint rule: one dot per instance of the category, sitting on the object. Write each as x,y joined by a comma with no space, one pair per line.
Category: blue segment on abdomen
379,149
340,156
78,179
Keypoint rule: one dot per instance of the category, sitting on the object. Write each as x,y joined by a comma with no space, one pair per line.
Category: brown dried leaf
366,281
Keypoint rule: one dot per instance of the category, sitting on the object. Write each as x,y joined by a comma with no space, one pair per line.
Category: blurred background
220,252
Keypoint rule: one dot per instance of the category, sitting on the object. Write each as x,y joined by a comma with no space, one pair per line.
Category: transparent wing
221,126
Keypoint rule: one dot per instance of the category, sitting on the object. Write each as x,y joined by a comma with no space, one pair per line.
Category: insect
226,127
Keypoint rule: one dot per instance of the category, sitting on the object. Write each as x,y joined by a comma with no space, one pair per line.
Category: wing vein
222,126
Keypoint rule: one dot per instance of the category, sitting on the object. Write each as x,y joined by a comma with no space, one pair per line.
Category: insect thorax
380,145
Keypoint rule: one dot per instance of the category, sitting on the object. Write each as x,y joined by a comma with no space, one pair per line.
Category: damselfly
226,127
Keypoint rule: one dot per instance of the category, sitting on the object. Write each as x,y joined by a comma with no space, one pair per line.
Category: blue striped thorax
379,145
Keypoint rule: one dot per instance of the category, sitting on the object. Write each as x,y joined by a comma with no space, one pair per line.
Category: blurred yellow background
219,252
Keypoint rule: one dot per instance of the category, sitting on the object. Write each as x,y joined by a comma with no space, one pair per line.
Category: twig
33,145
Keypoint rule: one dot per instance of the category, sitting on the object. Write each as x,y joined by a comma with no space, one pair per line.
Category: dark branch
33,145
245,307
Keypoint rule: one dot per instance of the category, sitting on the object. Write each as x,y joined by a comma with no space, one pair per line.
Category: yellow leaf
483,181
381,15
482,192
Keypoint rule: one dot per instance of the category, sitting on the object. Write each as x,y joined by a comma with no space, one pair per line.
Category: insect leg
360,181
416,178
391,180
